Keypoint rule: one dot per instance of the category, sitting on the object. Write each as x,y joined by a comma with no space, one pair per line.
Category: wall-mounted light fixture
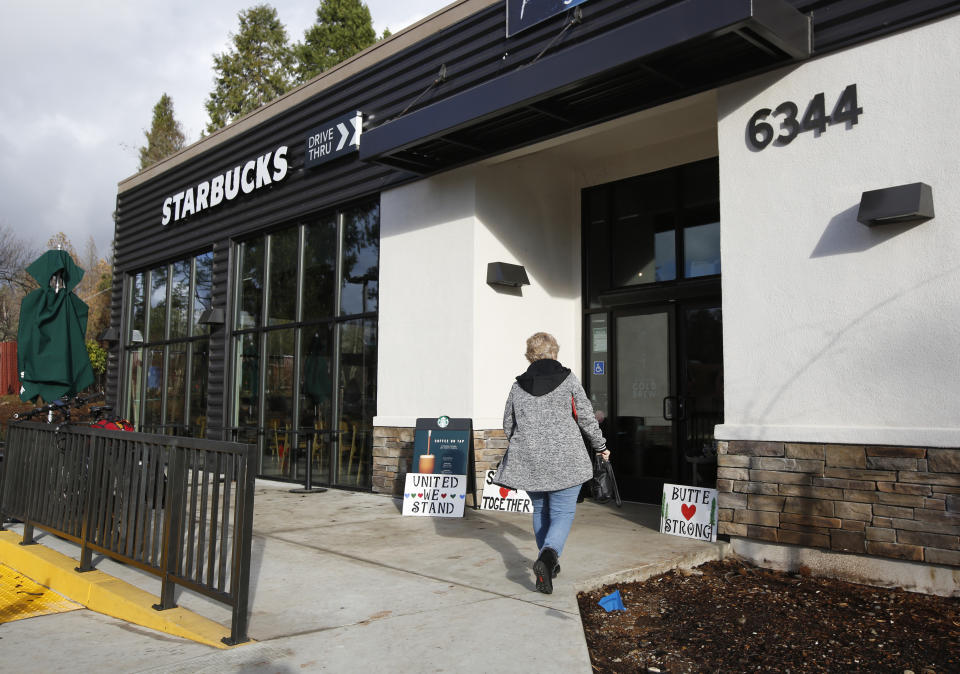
903,203
111,335
212,317
506,274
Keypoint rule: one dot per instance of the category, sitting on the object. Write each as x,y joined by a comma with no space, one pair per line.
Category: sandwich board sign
689,511
504,499
436,485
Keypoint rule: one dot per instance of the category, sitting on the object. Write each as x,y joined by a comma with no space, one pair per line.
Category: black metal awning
688,47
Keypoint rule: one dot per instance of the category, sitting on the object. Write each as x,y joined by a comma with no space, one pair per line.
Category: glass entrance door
645,439
667,386
701,393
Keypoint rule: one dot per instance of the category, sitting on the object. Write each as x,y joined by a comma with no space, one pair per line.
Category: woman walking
545,413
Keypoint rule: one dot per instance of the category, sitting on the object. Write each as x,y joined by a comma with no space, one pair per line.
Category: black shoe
556,571
543,569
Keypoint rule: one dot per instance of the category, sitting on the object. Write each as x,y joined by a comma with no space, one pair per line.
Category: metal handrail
179,508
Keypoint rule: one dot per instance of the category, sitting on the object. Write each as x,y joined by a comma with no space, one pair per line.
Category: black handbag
603,485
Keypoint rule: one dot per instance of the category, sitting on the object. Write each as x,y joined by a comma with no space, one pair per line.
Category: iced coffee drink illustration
427,460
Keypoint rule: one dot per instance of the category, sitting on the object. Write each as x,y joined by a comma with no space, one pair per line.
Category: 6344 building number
761,133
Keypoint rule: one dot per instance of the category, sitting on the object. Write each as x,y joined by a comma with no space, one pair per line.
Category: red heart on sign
688,510
443,495
419,495
503,492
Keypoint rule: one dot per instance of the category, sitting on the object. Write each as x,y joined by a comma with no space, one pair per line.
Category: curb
688,560
105,594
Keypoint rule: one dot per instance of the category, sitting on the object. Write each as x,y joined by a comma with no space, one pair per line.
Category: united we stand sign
690,512
427,495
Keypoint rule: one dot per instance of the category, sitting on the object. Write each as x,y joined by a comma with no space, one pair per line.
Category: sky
79,83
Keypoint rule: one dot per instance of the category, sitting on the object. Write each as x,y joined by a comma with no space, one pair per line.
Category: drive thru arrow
345,132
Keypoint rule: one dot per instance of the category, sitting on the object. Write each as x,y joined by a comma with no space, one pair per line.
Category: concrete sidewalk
340,581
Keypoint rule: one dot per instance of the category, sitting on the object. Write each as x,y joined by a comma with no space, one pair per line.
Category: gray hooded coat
546,450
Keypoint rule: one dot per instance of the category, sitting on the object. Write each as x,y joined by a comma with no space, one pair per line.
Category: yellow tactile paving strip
21,598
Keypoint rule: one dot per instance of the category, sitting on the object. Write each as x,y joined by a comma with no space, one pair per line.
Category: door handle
670,405
674,409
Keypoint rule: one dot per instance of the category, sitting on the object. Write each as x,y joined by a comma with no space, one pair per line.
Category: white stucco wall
835,332
528,213
449,343
425,340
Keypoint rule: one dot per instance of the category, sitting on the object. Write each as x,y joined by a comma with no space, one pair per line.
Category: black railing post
172,520
90,483
308,488
3,483
242,544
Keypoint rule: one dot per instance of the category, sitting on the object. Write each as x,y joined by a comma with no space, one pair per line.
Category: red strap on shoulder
573,404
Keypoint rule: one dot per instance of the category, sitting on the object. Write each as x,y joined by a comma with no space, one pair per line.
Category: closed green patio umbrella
51,352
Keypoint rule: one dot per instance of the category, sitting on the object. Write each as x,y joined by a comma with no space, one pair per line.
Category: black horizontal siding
111,390
217,389
841,23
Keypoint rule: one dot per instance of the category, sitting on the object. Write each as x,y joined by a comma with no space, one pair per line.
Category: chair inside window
348,442
281,444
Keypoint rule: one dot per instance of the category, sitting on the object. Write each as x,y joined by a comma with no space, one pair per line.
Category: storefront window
202,287
166,347
358,391
361,257
598,360
282,306
279,399
318,386
319,268
135,365
138,312
250,286
316,395
199,362
643,242
656,228
157,318
701,246
248,381
176,375
180,299
153,405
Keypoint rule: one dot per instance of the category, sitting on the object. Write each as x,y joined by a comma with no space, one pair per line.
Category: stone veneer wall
900,502
393,453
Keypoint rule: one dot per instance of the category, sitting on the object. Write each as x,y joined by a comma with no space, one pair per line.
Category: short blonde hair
542,345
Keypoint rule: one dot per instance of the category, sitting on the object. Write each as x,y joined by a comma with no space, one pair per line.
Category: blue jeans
553,513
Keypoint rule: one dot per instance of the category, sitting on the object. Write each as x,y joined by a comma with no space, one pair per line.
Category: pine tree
254,71
165,136
343,28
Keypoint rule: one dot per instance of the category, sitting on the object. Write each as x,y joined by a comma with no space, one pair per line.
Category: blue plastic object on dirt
612,602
